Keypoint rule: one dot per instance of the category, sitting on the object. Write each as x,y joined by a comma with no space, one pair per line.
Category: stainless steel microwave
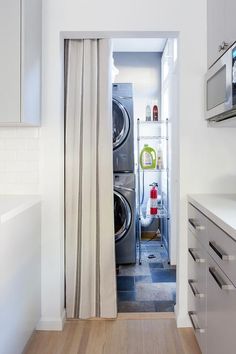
220,88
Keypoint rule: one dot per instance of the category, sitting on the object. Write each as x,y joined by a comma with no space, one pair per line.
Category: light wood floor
126,335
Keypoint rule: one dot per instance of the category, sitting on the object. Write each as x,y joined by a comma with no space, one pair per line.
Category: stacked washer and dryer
124,176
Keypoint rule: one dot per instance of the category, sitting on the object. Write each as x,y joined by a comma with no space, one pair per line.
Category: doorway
161,244
144,121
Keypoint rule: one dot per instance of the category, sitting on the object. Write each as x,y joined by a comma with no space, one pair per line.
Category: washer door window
122,216
120,123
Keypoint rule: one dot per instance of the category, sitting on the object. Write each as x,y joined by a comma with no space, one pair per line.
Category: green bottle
148,158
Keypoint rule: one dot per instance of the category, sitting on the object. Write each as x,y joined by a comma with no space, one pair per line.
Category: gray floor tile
143,279
125,283
142,288
136,306
155,291
135,269
126,296
163,275
164,306
156,265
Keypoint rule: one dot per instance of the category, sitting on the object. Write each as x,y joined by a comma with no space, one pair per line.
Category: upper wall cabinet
221,29
20,62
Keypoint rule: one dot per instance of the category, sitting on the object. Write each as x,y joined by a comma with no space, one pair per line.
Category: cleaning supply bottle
155,113
148,113
159,158
148,157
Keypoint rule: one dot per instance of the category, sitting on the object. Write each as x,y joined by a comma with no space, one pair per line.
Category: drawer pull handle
196,225
195,256
220,253
195,326
194,290
219,281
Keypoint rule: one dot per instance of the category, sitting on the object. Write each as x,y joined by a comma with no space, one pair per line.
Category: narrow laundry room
143,109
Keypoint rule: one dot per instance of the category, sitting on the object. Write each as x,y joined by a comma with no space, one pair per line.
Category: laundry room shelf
154,122
144,137
153,170
161,213
162,175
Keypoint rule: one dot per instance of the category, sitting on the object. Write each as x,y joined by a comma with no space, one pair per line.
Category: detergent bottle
148,157
159,158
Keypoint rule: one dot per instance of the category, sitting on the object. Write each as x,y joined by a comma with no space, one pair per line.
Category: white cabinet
230,28
221,30
212,280
20,271
20,62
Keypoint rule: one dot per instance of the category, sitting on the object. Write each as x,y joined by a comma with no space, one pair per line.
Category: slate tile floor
150,287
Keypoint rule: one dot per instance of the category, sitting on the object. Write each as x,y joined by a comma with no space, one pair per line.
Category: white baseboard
51,324
182,321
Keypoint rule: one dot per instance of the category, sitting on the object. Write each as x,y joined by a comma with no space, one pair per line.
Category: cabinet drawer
221,311
197,223
223,249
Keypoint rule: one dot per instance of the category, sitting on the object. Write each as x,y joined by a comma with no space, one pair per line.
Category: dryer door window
121,123
122,216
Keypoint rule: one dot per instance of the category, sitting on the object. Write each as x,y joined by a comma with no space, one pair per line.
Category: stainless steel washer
123,137
124,217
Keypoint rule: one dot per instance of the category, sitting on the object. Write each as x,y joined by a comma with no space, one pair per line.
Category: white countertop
12,205
220,208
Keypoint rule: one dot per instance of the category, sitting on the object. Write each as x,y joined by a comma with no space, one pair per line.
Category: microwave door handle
229,89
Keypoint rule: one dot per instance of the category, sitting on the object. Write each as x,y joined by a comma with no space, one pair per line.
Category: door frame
175,174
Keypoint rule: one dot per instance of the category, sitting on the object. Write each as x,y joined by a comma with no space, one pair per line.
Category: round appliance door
121,123
122,216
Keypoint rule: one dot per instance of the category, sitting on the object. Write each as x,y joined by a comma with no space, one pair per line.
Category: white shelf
146,137
153,170
153,122
161,214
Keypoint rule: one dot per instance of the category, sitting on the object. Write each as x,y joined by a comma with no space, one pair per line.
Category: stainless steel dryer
124,217
123,137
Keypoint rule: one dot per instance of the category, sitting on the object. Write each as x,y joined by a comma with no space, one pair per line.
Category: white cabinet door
10,61
215,29
230,27
20,62
31,62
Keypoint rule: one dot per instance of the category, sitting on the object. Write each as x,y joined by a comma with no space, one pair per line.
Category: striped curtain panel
89,224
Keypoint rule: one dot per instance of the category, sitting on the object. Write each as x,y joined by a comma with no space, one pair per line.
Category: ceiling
138,44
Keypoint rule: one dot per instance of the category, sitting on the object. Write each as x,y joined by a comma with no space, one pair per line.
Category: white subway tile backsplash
8,132
27,132
27,155
7,155
19,160
15,144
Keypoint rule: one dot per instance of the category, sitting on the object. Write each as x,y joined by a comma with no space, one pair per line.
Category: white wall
170,102
203,151
143,70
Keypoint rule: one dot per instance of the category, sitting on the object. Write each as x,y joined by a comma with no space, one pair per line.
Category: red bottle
153,198
155,113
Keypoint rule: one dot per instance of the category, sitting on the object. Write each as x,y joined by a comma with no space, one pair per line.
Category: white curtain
89,223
